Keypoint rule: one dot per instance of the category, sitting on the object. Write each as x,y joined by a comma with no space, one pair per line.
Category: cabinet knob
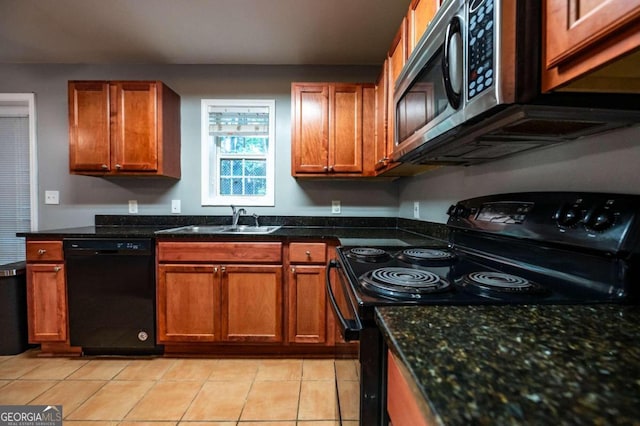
330,168
118,166
215,269
325,168
104,167
308,253
293,270
56,269
223,269
41,251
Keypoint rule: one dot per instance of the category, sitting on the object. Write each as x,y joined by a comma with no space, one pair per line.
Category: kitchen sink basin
221,229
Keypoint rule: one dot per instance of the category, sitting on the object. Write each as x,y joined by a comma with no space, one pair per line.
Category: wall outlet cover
133,206
175,206
416,210
51,197
335,207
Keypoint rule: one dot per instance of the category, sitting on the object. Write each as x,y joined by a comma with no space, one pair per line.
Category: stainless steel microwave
470,92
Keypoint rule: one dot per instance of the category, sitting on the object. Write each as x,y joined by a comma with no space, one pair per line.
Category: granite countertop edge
520,364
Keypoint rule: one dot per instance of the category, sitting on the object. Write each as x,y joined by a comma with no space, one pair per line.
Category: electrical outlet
133,206
175,206
335,206
51,197
416,210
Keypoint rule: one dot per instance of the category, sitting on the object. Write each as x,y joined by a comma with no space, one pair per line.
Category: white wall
604,163
81,197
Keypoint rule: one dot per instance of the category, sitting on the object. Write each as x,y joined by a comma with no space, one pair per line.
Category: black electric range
525,248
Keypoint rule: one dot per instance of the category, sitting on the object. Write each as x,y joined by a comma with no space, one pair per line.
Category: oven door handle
351,328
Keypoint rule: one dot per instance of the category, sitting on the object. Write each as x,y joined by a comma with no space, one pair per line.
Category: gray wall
82,196
605,163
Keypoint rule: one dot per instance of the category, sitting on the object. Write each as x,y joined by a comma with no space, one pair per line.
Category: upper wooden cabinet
124,128
587,45
420,14
327,128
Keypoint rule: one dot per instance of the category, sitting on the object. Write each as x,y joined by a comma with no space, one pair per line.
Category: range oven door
341,303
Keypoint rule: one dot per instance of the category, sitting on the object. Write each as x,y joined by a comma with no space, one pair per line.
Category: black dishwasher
111,294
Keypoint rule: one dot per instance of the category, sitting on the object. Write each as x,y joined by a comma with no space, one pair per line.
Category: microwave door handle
351,331
452,29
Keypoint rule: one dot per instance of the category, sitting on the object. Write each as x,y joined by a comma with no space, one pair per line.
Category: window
17,174
238,152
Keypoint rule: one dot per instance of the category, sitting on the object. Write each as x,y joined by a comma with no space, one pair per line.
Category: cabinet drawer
269,252
39,251
307,252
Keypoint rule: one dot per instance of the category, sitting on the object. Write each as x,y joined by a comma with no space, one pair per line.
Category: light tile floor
180,391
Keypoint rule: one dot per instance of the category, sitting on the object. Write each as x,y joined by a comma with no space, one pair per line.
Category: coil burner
368,254
427,256
497,284
403,283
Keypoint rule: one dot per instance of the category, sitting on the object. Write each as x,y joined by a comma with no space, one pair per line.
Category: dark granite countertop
348,230
521,365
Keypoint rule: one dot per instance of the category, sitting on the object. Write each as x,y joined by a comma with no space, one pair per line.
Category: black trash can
13,309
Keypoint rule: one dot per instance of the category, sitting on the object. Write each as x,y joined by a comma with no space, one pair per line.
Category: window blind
15,215
238,120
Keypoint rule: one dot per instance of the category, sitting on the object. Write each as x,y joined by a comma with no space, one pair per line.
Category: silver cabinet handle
293,270
118,166
104,167
223,269
215,269
56,269
41,251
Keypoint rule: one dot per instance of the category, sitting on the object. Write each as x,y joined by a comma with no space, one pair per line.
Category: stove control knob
568,215
599,219
451,211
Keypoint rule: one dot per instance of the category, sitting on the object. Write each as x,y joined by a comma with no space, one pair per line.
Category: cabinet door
583,35
46,303
188,299
252,303
310,128
381,150
395,62
307,304
421,12
345,127
89,130
135,137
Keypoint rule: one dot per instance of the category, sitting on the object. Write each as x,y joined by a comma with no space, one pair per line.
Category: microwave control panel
480,50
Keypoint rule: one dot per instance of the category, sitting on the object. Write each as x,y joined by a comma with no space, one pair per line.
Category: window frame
207,163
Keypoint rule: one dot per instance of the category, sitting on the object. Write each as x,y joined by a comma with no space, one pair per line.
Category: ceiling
297,32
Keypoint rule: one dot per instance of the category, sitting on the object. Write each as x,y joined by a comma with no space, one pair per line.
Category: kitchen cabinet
47,314
396,58
219,292
382,146
404,403
188,303
591,45
119,128
420,14
307,308
327,128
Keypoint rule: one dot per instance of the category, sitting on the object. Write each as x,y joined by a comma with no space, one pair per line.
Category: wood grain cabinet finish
582,36
124,128
252,303
307,307
327,128
420,14
404,406
216,292
188,303
47,315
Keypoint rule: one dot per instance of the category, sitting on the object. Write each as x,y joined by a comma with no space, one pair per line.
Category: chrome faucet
236,215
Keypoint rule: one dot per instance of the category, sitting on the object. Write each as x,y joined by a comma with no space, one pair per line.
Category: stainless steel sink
221,229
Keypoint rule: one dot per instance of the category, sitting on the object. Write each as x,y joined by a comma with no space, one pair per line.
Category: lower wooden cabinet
46,302
404,404
188,303
46,292
307,304
252,303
